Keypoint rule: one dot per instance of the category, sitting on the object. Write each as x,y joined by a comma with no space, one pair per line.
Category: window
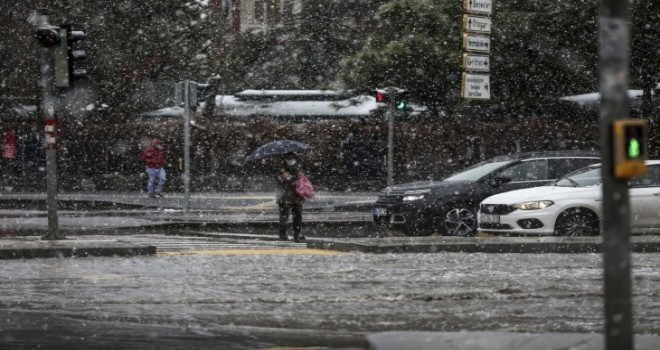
651,179
558,167
259,10
533,170
273,11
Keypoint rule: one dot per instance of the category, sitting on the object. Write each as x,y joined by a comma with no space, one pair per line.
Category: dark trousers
296,211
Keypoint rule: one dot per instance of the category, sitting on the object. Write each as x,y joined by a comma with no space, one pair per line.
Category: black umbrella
277,148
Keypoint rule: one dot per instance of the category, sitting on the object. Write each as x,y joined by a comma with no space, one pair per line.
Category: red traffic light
379,95
48,37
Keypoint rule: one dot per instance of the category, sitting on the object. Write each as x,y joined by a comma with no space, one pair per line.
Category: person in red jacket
153,158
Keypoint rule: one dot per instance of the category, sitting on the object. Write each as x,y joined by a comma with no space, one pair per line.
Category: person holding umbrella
288,201
290,170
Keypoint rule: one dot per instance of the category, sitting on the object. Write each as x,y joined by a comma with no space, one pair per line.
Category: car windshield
477,171
589,176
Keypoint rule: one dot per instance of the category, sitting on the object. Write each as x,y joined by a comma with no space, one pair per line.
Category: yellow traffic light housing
630,148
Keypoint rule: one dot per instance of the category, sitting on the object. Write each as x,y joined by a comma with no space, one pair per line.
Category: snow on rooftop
288,92
358,106
235,106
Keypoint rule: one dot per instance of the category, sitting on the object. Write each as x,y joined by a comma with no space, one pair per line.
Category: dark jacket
286,189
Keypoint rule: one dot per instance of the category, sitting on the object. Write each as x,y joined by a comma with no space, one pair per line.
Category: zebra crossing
209,243
169,246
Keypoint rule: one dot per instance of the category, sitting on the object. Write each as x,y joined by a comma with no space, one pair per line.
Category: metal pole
614,63
48,107
186,145
391,106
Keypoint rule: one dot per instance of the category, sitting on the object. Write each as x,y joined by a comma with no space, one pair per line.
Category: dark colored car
450,206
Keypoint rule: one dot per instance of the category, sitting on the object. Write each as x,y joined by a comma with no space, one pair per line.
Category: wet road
262,300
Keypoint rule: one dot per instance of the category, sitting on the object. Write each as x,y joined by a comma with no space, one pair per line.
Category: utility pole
49,38
186,145
186,95
614,74
391,111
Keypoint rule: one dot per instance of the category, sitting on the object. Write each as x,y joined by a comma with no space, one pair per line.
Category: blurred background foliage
541,50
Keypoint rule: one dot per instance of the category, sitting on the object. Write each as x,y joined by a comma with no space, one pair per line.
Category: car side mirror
499,180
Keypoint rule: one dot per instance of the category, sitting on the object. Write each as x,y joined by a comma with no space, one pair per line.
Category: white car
572,206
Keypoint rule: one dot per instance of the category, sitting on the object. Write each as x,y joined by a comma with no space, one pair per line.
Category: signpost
476,43
477,63
477,26
478,6
475,86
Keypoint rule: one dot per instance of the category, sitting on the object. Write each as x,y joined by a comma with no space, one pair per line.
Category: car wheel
459,220
577,222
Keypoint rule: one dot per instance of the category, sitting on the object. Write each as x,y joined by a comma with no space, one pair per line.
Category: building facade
260,16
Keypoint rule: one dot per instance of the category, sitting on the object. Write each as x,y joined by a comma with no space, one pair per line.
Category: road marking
485,235
283,251
272,205
289,348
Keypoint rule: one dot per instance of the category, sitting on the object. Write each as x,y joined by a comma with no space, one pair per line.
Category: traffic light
198,93
48,36
380,95
630,148
401,100
67,55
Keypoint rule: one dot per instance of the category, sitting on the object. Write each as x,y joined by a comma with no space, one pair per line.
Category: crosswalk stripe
223,247
282,251
186,245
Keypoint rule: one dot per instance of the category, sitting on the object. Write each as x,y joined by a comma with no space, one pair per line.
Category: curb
75,252
557,245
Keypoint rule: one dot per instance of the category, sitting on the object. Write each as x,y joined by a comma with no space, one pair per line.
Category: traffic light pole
614,63
186,145
391,111
48,106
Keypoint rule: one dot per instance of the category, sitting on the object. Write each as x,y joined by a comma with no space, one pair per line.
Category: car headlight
534,205
415,195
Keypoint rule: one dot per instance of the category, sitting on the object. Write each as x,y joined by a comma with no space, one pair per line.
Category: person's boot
283,237
297,237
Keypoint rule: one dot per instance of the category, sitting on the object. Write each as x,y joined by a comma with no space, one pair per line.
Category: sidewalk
497,341
30,247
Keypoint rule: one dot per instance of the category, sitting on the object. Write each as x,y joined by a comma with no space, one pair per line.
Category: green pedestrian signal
630,148
634,148
401,99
